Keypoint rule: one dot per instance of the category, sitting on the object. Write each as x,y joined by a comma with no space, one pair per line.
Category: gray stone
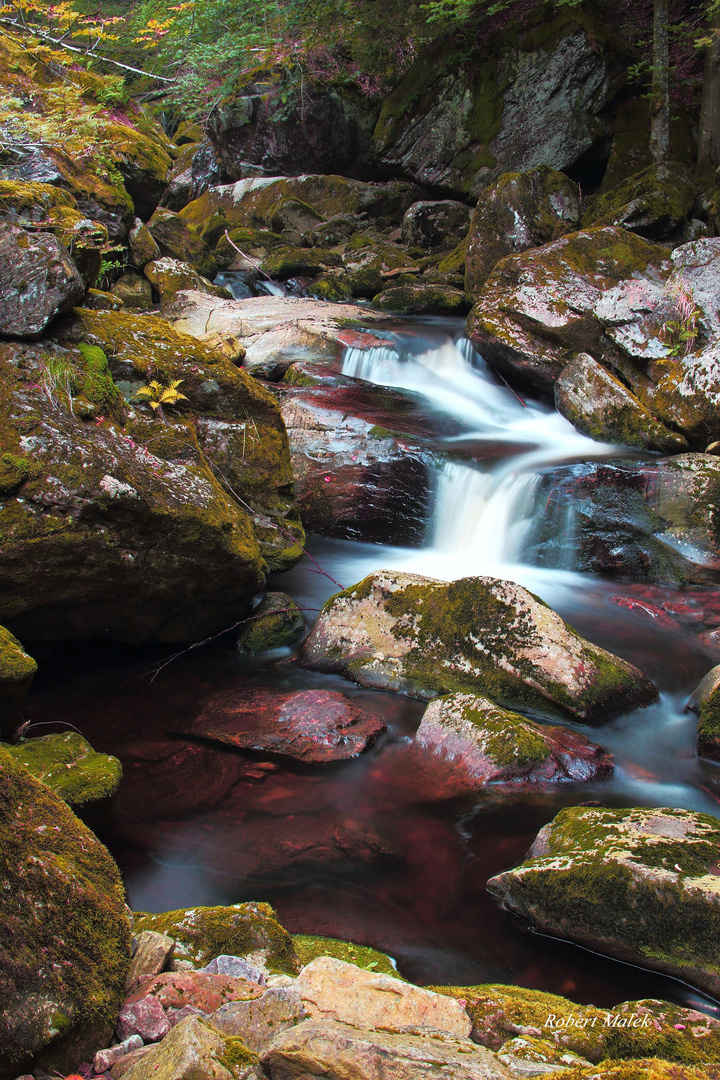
38,280
260,1020
238,966
143,248
435,226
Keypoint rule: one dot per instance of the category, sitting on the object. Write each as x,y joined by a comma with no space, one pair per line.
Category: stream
355,850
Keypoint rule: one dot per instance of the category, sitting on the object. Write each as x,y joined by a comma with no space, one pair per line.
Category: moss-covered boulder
654,203
630,150
177,241
536,310
62,901
597,403
202,933
481,743
17,670
535,93
654,520
196,1050
418,299
705,700
170,276
308,947
38,281
638,1069
640,885
290,262
133,290
502,1015
141,245
331,287
67,763
520,210
403,632
276,622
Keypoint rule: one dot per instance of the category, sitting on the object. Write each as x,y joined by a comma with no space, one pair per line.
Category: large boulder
640,885
435,226
536,311
195,1050
38,281
654,203
653,520
17,670
535,94
403,632
272,124
482,744
705,700
62,901
520,210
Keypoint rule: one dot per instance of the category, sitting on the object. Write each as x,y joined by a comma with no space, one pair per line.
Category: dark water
369,850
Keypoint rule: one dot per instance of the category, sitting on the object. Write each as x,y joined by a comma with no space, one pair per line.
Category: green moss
14,469
235,1055
17,667
99,385
455,261
652,201
708,729
69,765
329,288
274,623
290,262
309,947
202,933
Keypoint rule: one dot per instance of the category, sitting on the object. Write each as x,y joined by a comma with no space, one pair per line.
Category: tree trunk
660,97
709,131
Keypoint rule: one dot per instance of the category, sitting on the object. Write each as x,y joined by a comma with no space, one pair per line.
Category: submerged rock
641,885
490,745
63,900
417,635
315,726
17,670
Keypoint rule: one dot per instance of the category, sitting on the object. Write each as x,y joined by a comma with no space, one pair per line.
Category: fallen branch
400,270
252,262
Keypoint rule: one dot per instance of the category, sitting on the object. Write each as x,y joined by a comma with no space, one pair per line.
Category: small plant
56,382
680,334
156,395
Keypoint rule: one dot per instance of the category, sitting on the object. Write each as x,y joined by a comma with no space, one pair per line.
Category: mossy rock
308,947
176,240
641,885
202,933
366,282
298,262
76,773
256,243
331,288
705,700
62,900
170,276
274,623
416,635
196,1050
630,152
654,202
647,1028
17,670
421,300
454,262
133,290
638,1069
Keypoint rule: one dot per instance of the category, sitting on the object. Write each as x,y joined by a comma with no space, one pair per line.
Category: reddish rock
207,992
143,1016
309,725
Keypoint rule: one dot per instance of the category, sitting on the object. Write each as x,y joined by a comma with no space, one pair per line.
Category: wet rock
143,248
536,311
17,671
315,726
38,281
85,780
276,622
653,203
652,520
487,744
435,226
257,1022
195,1050
176,989
331,989
152,951
145,1018
640,885
416,635
421,300
705,700
269,355
202,933
170,276
458,126
62,899
520,210
326,1048
133,290
598,404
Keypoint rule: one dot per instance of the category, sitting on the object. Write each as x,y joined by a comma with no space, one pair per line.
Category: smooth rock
38,281
324,1048
152,953
331,989
641,885
417,635
271,354
483,744
315,726
258,1021
105,1059
145,1017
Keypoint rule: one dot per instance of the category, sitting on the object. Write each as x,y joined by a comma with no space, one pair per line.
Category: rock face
309,725
62,899
653,203
17,670
38,280
705,700
640,885
597,403
520,210
324,1048
69,765
536,311
654,520
492,745
416,635
532,96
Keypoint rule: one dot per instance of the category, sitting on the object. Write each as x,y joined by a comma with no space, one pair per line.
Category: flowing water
362,850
